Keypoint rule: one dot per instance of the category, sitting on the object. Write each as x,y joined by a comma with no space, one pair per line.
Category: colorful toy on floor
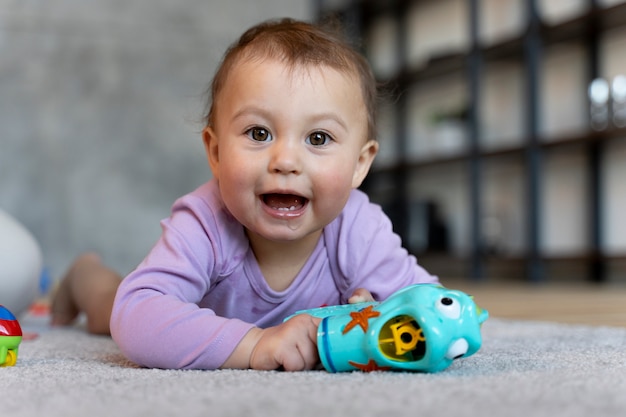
10,337
21,265
423,327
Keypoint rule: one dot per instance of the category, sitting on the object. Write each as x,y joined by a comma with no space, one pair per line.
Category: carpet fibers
523,369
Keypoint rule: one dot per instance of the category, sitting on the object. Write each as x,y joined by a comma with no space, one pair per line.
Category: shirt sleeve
156,320
370,255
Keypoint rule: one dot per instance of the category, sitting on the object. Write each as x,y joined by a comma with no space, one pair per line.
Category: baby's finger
294,361
309,350
360,295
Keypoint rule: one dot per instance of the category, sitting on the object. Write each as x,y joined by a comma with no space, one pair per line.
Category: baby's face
287,147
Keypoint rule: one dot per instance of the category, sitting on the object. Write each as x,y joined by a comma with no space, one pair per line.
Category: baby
289,136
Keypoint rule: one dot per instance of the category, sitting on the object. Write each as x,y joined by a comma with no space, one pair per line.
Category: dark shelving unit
526,48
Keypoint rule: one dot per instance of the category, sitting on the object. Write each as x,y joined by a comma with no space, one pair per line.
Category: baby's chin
290,233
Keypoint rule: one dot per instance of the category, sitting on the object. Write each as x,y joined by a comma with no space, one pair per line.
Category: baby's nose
286,158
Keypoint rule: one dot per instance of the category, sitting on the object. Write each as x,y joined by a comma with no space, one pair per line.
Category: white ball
20,265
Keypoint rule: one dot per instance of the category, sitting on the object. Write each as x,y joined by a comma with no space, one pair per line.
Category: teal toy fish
422,328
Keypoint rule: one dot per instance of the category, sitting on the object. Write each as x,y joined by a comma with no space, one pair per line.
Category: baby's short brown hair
298,43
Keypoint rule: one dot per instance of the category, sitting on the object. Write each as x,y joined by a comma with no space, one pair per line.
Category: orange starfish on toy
361,318
371,366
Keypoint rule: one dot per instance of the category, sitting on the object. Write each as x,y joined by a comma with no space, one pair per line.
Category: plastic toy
423,327
10,337
21,264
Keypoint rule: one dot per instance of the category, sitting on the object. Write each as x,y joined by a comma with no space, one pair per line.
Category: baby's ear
366,157
211,149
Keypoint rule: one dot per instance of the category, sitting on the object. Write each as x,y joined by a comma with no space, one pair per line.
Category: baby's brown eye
318,138
259,134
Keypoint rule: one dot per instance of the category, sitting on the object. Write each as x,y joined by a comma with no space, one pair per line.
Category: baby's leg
89,287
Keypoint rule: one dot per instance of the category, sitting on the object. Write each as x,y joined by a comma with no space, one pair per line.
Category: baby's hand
292,345
360,295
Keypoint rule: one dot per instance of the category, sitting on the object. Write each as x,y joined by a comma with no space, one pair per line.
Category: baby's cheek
334,199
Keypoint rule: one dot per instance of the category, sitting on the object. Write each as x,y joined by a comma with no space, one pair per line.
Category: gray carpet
524,369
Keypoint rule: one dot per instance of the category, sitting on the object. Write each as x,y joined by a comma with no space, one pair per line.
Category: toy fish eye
449,307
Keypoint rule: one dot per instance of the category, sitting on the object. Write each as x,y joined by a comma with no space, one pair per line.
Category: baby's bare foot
64,309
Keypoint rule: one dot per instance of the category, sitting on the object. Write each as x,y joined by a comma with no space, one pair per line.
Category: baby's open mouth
284,202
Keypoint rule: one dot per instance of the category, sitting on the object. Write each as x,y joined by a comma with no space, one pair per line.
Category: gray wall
100,108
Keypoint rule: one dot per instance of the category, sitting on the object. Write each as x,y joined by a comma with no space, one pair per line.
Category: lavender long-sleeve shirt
200,289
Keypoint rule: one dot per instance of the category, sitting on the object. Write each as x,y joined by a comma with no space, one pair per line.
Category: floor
579,303
592,304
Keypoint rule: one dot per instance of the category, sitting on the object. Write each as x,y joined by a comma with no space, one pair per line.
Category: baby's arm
369,254
291,345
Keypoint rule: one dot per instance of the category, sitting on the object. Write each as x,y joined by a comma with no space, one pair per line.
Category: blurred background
503,135
100,115
503,151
